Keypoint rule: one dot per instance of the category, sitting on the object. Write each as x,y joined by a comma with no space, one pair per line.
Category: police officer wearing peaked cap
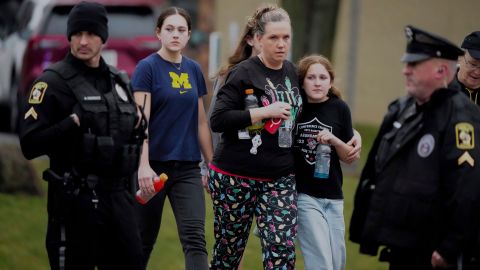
422,45
468,82
418,193
81,114
468,72
471,43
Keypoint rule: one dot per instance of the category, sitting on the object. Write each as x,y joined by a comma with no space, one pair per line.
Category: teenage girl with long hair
171,87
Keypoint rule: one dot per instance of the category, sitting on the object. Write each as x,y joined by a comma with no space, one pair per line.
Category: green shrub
17,174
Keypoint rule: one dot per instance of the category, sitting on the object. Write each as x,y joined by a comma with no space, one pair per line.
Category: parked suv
26,17
131,26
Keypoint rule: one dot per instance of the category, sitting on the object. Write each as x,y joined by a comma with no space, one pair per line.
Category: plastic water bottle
158,184
322,161
251,102
285,134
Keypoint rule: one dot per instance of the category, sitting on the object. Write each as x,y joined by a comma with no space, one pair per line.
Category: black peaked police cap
472,44
422,45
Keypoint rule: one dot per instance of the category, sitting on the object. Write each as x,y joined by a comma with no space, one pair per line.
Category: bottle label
320,175
322,162
322,168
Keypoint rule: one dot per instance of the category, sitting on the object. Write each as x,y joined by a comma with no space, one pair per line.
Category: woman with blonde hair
254,176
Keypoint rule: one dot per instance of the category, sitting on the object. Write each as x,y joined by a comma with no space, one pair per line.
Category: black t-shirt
333,115
229,115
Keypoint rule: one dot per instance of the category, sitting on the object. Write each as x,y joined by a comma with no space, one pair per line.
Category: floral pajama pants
235,201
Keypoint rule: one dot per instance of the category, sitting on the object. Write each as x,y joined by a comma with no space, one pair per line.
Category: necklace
178,66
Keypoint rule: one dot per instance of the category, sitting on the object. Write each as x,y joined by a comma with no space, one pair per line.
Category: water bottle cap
249,91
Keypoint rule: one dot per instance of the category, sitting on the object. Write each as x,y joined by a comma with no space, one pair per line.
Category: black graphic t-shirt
229,115
333,115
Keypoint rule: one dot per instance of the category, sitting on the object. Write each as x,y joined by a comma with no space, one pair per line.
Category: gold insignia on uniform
465,157
37,93
31,112
464,136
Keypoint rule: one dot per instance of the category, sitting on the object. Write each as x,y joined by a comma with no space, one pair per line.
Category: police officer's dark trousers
103,234
402,259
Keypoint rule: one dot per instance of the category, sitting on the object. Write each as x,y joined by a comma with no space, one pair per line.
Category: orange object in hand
158,184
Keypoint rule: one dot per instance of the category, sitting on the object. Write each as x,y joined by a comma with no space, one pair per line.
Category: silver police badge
426,145
121,92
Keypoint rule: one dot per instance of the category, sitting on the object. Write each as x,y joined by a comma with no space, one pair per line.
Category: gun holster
52,177
64,192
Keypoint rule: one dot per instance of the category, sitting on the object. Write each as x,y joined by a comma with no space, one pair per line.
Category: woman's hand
279,110
356,143
145,179
204,173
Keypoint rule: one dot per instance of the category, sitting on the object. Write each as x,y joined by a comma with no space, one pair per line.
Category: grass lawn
23,225
168,245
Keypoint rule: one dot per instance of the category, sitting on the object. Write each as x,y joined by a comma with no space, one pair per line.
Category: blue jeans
321,231
187,198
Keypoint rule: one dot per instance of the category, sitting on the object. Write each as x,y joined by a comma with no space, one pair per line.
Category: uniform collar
103,67
439,96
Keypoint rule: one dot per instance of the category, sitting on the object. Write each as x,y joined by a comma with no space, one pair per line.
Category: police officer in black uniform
418,193
81,113
468,82
468,73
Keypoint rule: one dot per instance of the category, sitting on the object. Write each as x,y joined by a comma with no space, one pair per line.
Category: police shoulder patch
37,93
465,137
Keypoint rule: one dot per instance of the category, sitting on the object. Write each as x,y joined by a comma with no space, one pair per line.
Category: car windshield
123,22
